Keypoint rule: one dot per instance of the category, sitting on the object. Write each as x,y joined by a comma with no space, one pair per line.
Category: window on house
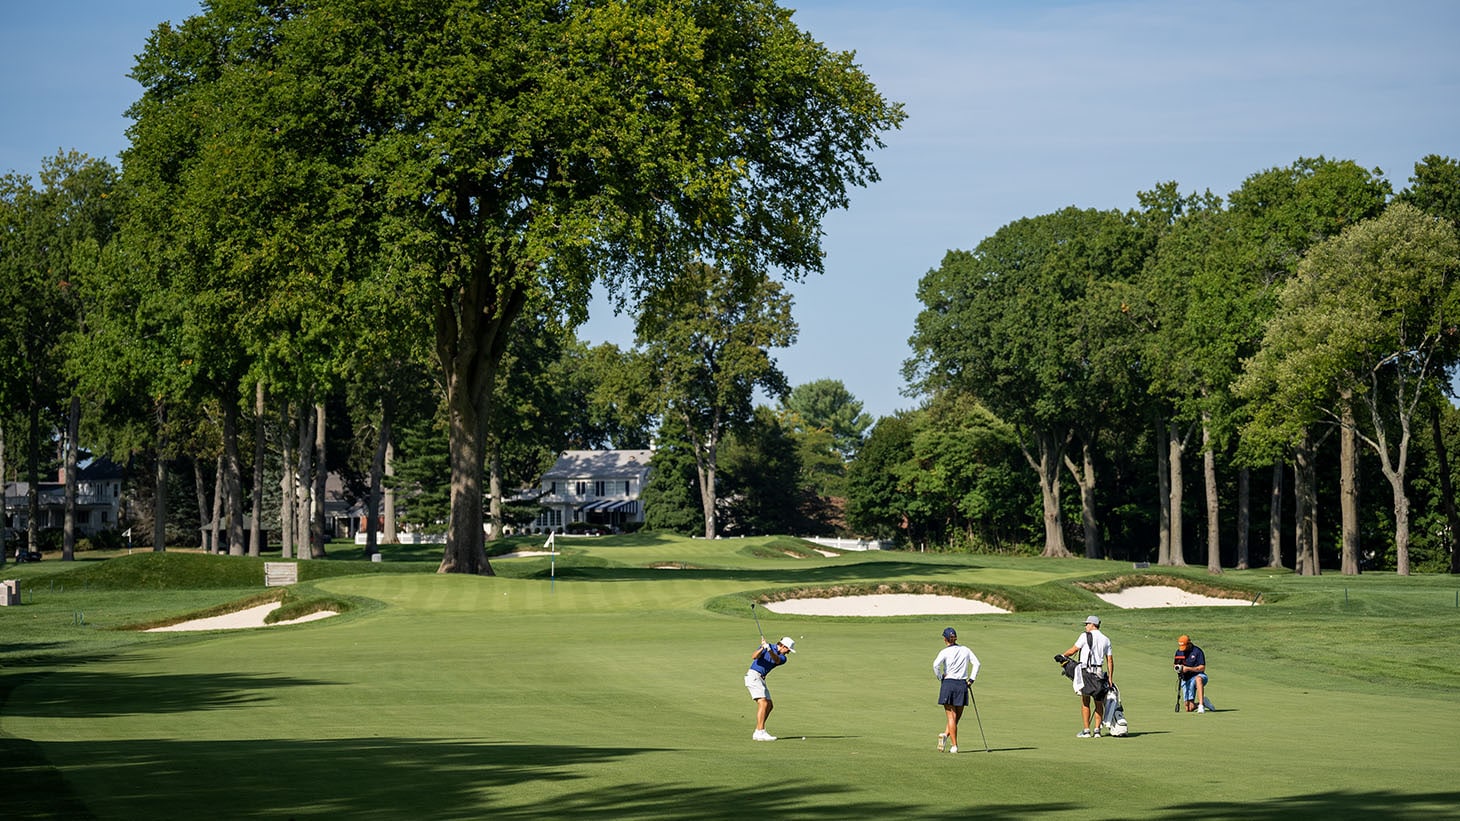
598,488
626,488
552,487
582,488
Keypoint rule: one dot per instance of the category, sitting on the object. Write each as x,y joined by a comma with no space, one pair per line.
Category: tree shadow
822,574
394,777
1338,804
84,694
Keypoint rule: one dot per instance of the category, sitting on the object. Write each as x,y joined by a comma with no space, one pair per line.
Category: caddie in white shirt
955,667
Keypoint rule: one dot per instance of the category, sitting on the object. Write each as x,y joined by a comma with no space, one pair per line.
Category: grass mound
207,571
170,571
1125,581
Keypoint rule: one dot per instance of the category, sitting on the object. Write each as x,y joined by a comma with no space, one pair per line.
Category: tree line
1304,326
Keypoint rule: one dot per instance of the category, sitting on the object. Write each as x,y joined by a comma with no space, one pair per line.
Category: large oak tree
508,152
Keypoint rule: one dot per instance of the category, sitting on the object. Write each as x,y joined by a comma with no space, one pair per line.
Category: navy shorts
953,693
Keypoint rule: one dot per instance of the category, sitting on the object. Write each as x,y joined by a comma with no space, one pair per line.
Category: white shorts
755,683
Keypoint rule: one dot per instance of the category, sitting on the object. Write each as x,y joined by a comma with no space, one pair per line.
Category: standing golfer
767,658
1095,657
1191,664
956,667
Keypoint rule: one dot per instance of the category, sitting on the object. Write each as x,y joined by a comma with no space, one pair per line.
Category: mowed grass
600,686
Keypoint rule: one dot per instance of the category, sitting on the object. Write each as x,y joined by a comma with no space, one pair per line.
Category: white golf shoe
953,749
942,740
762,735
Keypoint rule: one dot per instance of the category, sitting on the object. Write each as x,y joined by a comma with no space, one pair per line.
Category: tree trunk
707,454
1047,466
4,522
377,478
200,495
465,548
1442,457
1163,495
1174,448
215,545
321,477
159,500
1394,470
232,478
1348,486
494,497
304,482
256,501
387,516
1084,478
33,475
1305,512
1244,517
286,481
68,525
1275,520
472,325
1209,474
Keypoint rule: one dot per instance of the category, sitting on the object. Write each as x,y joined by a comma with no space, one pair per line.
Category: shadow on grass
390,778
826,574
1340,804
80,694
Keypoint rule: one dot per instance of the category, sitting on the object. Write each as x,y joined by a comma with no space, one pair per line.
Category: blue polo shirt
767,660
1193,657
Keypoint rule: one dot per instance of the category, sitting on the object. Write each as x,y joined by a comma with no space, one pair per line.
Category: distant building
593,487
98,500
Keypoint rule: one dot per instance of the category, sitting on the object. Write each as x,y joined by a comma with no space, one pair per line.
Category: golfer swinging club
956,667
767,658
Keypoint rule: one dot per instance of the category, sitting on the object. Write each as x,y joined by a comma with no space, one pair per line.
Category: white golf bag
1115,713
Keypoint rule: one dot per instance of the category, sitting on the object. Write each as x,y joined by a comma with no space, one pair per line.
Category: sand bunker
251,617
1162,596
882,604
524,554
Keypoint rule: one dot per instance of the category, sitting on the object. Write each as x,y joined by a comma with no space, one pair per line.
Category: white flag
549,543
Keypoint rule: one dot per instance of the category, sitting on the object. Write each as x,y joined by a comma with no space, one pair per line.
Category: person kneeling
1191,664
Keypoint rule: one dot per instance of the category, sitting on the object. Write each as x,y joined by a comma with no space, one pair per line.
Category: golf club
757,623
974,702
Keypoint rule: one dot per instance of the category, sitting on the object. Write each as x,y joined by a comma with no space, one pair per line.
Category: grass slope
596,685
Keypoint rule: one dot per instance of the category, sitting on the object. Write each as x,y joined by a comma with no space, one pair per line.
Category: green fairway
599,686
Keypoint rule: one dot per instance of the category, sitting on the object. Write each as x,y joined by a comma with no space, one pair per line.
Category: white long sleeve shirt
956,661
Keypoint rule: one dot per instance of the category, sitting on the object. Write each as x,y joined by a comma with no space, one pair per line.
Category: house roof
605,464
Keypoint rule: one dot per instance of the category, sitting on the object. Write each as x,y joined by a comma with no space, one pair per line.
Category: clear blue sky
1014,109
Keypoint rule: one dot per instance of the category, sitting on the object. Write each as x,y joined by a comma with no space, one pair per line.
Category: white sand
919,604
882,604
1161,596
523,554
252,617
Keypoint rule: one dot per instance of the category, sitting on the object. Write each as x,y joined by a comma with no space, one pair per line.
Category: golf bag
1115,712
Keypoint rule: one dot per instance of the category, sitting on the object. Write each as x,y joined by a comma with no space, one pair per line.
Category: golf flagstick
1177,708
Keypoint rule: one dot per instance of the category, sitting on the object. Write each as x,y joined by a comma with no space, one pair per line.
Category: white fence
405,538
850,544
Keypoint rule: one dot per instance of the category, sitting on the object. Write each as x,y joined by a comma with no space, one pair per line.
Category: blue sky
1014,109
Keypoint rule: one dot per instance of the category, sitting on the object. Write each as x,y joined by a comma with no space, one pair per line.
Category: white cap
790,643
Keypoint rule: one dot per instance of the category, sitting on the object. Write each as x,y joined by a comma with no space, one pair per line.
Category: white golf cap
1095,620
790,643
